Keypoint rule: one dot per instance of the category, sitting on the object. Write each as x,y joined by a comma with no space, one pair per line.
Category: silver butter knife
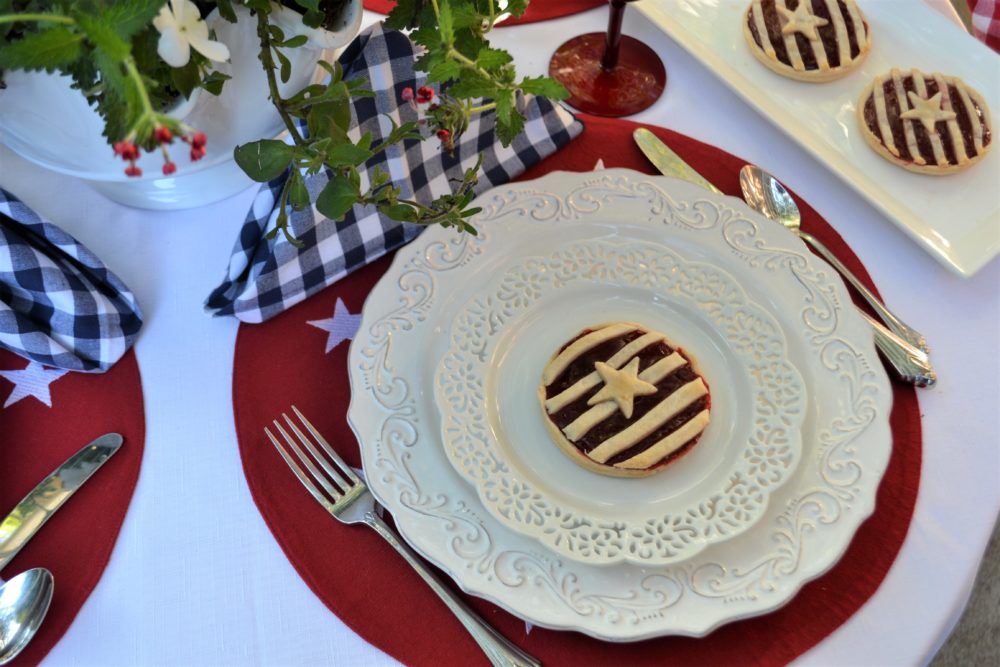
668,162
31,513
911,364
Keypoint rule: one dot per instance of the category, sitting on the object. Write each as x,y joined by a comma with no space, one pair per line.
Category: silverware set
25,599
901,345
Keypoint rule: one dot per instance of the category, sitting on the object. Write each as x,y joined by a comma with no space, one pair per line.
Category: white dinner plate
953,217
810,519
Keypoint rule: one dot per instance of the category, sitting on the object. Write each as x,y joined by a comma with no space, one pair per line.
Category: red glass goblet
609,74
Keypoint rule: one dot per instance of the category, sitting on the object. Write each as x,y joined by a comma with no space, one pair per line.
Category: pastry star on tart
807,40
927,123
622,400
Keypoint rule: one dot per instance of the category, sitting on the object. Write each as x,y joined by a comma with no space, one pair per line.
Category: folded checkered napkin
266,277
986,21
59,305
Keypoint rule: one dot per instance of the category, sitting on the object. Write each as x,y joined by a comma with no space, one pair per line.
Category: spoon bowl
24,601
767,195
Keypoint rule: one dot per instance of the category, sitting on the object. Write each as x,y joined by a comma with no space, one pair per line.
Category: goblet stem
610,58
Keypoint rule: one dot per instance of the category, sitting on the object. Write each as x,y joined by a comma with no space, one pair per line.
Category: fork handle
911,364
498,649
896,325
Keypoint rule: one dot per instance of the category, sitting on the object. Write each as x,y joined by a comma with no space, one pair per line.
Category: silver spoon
768,196
24,601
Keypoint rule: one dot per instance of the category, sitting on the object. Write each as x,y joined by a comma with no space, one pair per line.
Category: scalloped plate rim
476,586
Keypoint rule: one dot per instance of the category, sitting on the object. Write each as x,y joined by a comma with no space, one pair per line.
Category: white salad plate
610,221
953,217
492,425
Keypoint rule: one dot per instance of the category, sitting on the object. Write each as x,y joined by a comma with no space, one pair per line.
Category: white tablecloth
197,579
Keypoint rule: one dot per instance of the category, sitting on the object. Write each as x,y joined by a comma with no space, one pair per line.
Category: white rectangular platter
956,218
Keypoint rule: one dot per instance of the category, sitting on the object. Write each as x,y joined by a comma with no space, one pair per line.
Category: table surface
196,577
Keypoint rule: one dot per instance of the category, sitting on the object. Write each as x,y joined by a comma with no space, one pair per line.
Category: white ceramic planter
290,21
46,122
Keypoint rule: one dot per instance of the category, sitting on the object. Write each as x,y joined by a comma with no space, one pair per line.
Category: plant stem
441,215
51,18
272,82
133,73
437,15
482,107
468,62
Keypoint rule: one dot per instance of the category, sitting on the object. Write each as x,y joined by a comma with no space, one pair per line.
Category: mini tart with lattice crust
622,400
807,40
927,123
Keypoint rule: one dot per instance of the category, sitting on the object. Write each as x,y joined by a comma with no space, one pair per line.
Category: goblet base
633,84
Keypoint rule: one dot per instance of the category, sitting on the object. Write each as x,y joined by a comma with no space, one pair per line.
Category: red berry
133,170
407,94
169,168
425,94
444,135
198,140
127,150
163,135
197,152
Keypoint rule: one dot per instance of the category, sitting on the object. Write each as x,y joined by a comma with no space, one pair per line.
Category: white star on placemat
342,326
33,380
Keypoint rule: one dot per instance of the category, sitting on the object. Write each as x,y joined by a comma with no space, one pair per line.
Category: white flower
182,29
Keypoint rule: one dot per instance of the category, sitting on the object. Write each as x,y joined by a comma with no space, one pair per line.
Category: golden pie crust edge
808,76
927,169
577,456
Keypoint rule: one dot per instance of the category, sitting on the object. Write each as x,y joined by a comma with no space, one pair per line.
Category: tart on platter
807,40
926,123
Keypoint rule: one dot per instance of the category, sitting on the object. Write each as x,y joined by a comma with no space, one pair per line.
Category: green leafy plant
116,55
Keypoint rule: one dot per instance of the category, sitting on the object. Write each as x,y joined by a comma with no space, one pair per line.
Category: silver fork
347,499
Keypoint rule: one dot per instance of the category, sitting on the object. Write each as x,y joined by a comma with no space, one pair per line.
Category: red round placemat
76,543
538,10
289,360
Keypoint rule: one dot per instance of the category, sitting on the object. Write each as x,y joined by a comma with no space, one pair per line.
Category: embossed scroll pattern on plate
810,520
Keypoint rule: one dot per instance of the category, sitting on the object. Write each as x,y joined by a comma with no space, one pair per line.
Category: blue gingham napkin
59,305
266,277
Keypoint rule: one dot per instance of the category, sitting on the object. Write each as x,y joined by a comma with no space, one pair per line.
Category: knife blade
42,502
668,162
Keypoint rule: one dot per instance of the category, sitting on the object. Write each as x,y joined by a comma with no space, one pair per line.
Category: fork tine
303,477
332,470
347,470
323,480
